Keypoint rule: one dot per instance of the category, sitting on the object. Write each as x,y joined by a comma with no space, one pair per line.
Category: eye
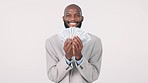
67,15
78,15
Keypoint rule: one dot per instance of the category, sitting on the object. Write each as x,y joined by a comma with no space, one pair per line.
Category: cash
74,31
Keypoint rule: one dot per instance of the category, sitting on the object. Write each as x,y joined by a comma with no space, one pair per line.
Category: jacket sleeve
90,69
56,69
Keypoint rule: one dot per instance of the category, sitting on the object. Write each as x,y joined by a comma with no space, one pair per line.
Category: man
86,67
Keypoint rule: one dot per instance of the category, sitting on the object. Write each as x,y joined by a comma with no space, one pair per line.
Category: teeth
72,23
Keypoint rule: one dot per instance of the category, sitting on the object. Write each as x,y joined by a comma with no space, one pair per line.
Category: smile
72,23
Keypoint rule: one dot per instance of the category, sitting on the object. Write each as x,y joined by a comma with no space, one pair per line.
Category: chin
73,26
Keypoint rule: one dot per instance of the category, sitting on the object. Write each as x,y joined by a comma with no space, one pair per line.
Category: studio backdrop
122,26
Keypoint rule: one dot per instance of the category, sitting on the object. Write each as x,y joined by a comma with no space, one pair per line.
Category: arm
90,70
57,69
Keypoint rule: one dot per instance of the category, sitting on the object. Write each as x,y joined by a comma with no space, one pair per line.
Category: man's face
72,17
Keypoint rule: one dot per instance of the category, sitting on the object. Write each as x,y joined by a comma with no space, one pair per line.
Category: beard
66,26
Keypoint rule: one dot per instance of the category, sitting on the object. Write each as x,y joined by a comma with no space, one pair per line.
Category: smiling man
87,64
72,16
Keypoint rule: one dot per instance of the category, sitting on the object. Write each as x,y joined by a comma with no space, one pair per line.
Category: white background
122,26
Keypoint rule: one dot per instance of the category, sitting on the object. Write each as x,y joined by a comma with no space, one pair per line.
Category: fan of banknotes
74,31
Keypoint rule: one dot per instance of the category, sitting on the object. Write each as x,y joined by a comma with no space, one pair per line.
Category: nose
72,18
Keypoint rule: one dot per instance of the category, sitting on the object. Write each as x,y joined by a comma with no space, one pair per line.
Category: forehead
72,9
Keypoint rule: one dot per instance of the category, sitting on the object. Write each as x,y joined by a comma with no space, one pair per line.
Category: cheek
79,19
65,19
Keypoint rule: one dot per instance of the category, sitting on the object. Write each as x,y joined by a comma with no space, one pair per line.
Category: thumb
73,49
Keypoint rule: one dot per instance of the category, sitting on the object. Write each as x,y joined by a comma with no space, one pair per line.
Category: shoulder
94,38
52,38
95,41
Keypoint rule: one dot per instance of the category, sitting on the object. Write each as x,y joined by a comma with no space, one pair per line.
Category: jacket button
81,67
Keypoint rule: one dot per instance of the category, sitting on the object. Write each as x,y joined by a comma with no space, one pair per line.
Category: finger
66,46
74,51
69,42
66,42
79,40
69,49
76,46
76,40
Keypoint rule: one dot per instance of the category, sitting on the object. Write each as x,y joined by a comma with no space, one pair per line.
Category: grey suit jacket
59,71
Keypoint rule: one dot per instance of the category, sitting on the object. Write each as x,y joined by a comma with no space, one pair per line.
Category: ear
82,18
63,18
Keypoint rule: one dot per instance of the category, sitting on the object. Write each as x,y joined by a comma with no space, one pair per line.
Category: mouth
69,24
72,24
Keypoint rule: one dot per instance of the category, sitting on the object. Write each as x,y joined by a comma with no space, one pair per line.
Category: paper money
74,31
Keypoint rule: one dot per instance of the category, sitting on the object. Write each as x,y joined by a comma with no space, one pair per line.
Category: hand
77,47
68,48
